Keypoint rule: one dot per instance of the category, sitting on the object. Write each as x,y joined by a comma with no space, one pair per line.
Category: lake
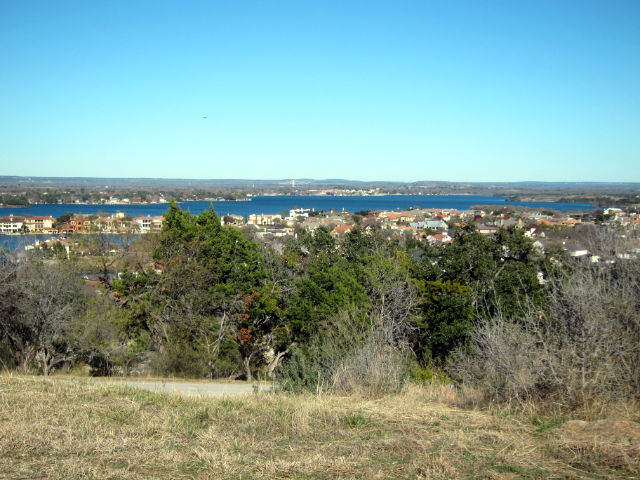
275,204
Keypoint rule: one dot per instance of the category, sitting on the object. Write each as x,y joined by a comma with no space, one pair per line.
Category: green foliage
204,253
357,245
474,277
64,218
302,372
544,424
14,200
446,320
6,354
195,305
204,300
427,374
319,241
329,287
356,420
501,271
111,340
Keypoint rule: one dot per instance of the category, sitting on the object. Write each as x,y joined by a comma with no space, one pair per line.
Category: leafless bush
379,361
502,361
358,355
611,241
583,349
376,367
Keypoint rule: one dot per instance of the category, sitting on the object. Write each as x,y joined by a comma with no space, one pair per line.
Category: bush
303,372
180,359
584,350
6,355
425,375
353,358
377,367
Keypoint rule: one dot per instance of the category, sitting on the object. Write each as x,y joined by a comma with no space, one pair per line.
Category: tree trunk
247,368
44,357
277,359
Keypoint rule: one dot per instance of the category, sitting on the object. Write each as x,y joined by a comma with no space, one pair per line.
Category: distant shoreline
269,204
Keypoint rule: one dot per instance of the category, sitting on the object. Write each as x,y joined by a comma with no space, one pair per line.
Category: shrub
376,367
425,375
584,350
353,358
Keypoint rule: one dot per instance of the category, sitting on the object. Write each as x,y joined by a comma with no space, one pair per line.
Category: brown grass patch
59,430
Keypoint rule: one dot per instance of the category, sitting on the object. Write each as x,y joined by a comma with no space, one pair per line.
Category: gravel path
198,389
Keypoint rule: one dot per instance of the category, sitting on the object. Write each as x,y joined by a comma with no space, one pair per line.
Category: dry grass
59,430
82,374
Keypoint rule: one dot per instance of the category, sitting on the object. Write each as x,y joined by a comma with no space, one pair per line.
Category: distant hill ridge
102,181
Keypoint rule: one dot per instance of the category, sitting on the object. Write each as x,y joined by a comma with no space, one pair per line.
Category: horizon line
319,180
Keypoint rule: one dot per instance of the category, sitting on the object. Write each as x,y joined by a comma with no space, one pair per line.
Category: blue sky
481,90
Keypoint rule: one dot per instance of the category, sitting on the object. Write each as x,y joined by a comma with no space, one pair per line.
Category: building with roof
11,224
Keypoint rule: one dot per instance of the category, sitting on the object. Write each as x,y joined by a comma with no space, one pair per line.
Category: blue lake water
17,243
276,204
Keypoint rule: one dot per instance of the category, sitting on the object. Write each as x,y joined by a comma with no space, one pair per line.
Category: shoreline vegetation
17,192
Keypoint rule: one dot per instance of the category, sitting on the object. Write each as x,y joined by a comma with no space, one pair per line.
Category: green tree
62,219
328,286
207,270
446,321
254,325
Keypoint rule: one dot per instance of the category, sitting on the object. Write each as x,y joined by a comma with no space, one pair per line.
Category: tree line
321,313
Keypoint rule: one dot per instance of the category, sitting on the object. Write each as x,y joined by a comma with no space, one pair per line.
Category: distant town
436,226
615,205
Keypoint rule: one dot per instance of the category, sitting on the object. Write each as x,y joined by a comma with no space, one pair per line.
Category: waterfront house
263,219
11,224
438,238
148,224
80,223
232,219
435,224
487,229
39,224
67,229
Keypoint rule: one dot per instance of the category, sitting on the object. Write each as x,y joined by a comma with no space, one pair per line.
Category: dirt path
198,389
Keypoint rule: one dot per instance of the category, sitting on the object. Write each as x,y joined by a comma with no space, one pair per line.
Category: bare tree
394,300
11,324
37,317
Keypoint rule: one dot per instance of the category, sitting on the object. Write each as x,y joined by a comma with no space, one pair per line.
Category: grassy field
57,429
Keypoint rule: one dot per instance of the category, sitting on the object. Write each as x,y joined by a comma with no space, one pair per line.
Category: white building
11,224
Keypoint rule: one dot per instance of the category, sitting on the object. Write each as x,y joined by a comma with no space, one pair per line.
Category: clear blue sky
476,90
